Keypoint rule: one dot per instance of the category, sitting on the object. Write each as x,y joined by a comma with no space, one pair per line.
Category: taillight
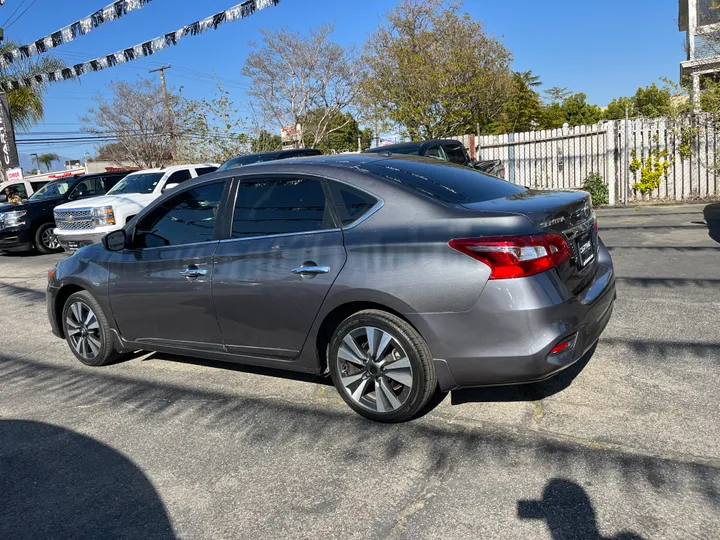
516,256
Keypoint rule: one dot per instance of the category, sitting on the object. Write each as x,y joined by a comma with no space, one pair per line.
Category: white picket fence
563,158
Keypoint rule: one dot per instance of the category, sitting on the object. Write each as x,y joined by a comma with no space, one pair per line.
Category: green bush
597,188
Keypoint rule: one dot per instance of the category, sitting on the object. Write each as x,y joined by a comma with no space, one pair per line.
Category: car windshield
137,183
51,190
245,160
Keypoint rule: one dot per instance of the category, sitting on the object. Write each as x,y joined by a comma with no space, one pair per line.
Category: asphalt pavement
625,445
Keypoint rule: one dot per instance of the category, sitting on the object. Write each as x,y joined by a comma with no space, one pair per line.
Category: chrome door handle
193,273
314,270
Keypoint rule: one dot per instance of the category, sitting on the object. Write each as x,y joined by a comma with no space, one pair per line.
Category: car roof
173,168
414,145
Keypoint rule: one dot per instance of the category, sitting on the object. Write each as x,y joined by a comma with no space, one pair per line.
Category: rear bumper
16,239
508,336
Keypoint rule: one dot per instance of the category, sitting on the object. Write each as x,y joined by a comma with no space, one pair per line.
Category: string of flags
72,31
148,48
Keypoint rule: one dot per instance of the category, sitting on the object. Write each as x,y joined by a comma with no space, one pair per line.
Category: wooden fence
563,158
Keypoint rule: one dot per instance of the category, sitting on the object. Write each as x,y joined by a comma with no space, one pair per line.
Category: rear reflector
560,347
515,256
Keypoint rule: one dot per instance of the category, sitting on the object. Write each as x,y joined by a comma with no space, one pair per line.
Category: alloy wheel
374,369
49,240
83,330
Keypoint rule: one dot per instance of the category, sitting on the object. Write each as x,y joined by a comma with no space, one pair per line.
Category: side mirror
115,241
169,187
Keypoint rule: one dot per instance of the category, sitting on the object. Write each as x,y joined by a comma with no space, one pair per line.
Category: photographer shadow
568,513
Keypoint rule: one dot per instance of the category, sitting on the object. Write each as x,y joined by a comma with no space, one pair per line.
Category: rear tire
381,366
45,241
87,330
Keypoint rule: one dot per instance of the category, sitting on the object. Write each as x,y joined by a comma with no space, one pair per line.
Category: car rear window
452,184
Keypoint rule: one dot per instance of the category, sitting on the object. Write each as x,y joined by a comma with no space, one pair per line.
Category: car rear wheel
87,330
381,366
45,240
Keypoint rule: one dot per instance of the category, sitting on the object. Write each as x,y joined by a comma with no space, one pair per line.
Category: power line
13,13
19,16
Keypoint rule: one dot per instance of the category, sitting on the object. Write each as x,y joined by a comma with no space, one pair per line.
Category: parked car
20,188
30,224
262,157
446,150
81,223
397,276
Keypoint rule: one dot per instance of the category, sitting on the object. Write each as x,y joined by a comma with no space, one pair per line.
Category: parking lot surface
626,444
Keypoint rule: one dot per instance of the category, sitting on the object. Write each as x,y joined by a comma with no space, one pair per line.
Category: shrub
597,188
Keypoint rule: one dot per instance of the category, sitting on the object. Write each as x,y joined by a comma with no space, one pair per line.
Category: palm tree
47,159
26,103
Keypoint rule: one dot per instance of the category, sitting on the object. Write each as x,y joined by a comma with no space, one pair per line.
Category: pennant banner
72,31
147,48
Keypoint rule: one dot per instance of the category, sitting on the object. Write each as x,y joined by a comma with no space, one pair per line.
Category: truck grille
74,220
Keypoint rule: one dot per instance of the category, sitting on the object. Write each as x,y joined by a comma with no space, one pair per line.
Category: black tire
98,348
384,371
45,241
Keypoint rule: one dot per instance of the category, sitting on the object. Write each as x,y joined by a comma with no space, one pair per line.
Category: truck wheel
45,241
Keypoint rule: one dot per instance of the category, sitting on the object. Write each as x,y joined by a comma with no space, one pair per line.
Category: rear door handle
193,273
314,270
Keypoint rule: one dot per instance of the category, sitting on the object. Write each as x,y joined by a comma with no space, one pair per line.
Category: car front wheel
87,330
45,240
381,366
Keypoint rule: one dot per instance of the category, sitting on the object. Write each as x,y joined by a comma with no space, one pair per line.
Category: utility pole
168,112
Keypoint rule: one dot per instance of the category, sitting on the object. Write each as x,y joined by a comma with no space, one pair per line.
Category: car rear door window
350,203
279,206
456,154
187,218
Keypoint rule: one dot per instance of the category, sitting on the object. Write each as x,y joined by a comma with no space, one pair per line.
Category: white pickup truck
84,222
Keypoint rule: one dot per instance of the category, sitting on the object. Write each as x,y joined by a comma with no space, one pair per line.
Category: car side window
87,187
456,154
20,190
205,170
187,218
350,203
274,206
435,152
37,185
108,182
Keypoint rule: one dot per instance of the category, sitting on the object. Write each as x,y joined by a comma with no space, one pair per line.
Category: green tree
343,135
523,110
578,112
26,103
435,70
652,102
265,142
616,109
47,159
556,94
552,116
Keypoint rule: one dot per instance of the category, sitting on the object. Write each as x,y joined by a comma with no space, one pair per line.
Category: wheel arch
65,292
337,315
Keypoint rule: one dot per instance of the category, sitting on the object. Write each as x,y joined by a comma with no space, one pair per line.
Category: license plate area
585,249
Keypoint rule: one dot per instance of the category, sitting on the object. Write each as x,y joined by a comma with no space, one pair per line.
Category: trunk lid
568,213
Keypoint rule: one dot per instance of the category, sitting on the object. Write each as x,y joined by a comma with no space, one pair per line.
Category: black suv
249,159
30,224
445,150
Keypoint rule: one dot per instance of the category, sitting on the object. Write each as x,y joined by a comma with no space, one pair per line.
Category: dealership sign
8,150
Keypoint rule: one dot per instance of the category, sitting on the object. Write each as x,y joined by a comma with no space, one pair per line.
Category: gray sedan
396,276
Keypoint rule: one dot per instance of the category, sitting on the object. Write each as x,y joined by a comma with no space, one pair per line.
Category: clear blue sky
604,49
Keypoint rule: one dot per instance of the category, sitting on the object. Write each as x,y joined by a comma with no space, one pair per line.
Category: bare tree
293,76
135,116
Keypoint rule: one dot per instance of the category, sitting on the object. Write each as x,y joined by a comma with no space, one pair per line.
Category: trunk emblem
550,223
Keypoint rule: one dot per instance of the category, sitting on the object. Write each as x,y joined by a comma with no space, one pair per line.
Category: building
699,19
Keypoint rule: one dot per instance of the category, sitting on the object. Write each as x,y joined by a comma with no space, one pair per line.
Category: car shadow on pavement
568,512
55,483
17,291
712,218
524,392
